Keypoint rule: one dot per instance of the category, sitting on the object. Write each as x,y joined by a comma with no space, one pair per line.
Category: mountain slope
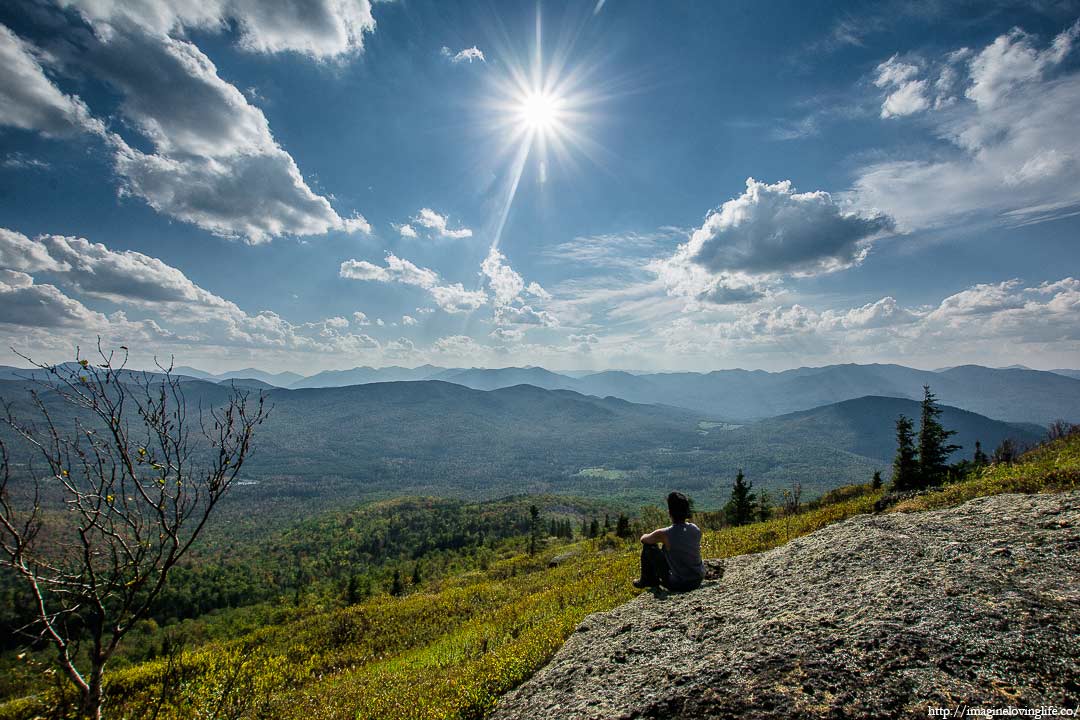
904,612
365,374
864,426
326,445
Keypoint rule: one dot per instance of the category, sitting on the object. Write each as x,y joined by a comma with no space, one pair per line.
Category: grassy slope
450,650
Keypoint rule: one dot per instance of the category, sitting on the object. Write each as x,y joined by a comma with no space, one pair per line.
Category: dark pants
655,571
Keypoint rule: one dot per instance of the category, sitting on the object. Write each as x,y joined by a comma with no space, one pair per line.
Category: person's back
683,550
678,566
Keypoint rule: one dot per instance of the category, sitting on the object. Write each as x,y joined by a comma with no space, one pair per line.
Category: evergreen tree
607,523
905,474
876,482
934,448
417,578
1005,453
584,527
594,528
397,589
764,506
534,529
622,528
739,509
980,457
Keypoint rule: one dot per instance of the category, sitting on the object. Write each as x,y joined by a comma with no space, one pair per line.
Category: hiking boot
641,584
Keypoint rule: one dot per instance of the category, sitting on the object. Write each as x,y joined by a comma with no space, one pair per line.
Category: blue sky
650,186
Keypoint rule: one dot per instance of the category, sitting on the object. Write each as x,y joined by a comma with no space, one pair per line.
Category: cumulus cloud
28,98
507,334
459,346
406,230
323,29
907,93
983,322
452,298
150,285
24,303
524,315
505,283
439,225
214,162
765,233
1012,110
465,55
408,320
507,287
18,252
360,318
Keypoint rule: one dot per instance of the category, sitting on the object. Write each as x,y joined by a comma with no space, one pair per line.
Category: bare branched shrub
139,478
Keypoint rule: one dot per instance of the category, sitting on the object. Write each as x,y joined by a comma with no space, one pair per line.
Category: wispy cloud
466,55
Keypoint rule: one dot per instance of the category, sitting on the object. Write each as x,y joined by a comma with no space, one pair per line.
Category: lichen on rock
877,616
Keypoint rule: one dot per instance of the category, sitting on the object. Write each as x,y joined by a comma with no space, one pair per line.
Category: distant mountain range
328,445
1014,394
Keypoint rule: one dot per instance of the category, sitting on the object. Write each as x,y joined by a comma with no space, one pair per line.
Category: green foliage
449,649
1051,467
739,509
934,448
905,474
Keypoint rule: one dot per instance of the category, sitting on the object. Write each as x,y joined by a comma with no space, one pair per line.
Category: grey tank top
684,552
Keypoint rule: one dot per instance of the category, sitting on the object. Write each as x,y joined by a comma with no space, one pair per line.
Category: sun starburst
538,109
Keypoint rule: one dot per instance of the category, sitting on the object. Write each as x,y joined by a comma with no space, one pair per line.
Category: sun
539,111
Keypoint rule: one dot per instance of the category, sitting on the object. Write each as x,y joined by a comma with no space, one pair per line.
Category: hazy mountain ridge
1012,394
439,437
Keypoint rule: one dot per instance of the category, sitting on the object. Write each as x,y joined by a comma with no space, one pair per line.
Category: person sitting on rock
678,566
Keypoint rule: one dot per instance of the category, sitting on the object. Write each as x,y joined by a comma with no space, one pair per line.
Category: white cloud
18,252
907,93
981,324
1012,61
524,315
25,304
439,225
323,29
406,230
508,334
1011,134
507,287
360,318
459,346
455,298
214,163
150,285
452,298
767,232
465,55
505,283
408,320
536,291
29,100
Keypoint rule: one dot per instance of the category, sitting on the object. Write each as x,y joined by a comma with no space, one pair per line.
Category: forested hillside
442,645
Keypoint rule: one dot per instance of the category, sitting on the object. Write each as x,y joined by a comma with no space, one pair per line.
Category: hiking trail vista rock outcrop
877,616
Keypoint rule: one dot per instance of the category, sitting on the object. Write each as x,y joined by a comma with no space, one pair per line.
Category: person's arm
656,537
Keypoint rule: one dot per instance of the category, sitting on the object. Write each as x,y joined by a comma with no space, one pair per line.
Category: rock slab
880,615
